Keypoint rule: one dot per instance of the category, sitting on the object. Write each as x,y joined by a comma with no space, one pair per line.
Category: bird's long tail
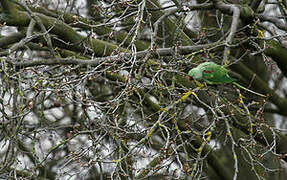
244,88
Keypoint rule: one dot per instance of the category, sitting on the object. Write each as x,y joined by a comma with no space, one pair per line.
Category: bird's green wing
215,74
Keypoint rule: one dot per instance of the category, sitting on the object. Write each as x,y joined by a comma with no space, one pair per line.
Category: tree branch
95,61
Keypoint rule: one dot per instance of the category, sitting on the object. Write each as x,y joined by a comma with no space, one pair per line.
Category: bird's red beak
190,78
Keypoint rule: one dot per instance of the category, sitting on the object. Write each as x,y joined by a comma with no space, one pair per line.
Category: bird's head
195,74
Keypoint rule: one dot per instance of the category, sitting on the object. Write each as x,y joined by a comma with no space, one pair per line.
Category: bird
215,74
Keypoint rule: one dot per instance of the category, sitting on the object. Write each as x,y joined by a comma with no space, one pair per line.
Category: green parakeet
212,73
